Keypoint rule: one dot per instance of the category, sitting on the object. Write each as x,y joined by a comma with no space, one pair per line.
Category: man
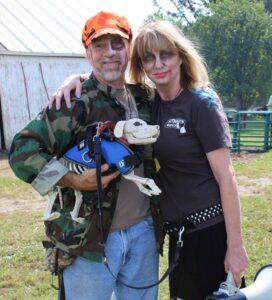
129,238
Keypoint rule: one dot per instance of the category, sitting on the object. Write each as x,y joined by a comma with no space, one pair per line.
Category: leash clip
180,241
97,137
52,282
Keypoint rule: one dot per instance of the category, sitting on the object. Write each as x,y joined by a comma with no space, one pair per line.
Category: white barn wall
22,99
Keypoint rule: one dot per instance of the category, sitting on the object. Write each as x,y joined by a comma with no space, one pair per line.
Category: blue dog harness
114,152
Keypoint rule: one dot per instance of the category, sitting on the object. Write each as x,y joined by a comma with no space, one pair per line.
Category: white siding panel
22,99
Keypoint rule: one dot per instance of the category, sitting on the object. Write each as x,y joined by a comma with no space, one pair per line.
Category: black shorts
201,267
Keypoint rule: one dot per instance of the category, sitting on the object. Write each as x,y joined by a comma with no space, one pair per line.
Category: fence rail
251,131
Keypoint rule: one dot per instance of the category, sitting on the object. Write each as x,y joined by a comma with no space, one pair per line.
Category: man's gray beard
113,76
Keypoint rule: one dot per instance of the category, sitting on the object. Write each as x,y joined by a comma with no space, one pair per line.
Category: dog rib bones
135,131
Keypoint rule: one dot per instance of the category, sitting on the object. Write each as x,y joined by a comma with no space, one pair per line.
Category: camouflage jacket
34,158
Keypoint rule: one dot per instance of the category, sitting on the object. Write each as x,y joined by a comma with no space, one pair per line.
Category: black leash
97,155
61,294
164,276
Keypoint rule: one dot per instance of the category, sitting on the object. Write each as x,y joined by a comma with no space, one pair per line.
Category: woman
195,172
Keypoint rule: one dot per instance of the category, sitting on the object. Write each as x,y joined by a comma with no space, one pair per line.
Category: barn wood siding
23,93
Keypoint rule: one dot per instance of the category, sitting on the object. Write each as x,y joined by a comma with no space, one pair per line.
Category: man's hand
87,180
73,82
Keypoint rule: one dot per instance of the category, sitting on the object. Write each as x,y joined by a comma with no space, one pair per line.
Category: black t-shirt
191,125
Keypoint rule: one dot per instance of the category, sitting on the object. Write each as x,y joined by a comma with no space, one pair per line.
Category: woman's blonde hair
164,35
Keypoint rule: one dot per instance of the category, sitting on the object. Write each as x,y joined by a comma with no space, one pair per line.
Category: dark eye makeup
164,54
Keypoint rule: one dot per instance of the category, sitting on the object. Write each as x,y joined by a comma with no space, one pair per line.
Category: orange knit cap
105,23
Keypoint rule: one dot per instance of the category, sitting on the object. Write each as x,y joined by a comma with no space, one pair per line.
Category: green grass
10,187
260,167
22,275
257,229
256,212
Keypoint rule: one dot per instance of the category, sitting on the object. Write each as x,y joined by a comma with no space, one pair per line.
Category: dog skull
137,131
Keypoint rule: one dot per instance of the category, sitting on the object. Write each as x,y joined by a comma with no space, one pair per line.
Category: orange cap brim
107,31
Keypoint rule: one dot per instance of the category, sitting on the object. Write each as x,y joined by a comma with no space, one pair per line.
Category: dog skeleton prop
116,154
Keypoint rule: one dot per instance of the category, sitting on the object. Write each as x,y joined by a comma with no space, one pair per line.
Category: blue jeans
132,257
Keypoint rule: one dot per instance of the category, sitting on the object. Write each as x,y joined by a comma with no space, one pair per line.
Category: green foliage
236,39
161,14
185,10
196,8
158,15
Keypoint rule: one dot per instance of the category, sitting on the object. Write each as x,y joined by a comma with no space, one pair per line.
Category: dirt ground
33,201
28,201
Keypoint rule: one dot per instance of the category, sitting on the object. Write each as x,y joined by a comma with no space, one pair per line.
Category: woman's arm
236,259
73,82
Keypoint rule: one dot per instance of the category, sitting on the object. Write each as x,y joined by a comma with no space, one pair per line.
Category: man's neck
118,84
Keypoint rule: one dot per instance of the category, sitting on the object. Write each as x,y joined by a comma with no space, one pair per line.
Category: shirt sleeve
35,148
211,124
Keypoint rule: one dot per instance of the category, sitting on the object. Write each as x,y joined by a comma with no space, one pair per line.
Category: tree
161,15
268,5
236,39
186,10
195,8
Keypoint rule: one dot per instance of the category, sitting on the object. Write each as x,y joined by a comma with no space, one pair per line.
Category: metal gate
251,130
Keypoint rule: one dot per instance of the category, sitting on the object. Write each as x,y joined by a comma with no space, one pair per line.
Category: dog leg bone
152,187
48,215
75,212
60,197
142,182
142,189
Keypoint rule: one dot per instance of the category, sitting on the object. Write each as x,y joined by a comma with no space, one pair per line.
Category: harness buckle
180,233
